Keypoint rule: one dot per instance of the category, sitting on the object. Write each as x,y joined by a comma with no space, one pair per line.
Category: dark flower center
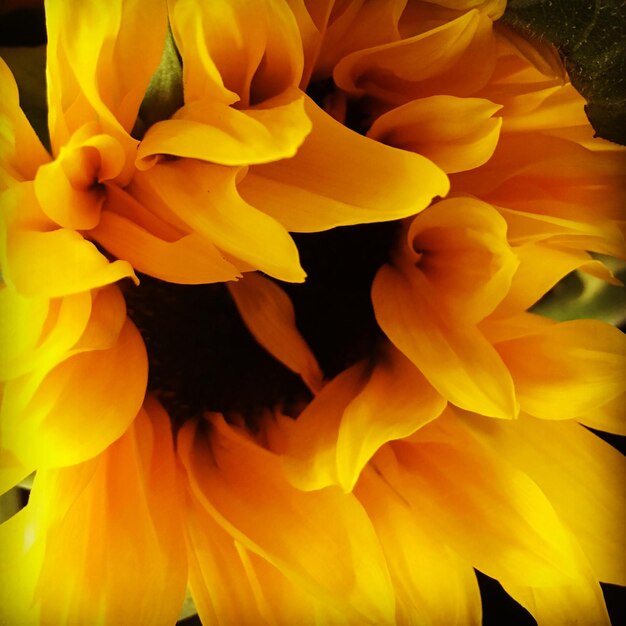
203,358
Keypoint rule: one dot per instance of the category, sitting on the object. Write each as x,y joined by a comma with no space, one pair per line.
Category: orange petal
190,260
455,58
375,183
22,152
455,133
455,358
232,585
218,133
541,267
43,433
567,370
205,198
269,315
396,401
460,247
433,585
488,511
86,40
58,263
95,553
236,51
582,476
243,487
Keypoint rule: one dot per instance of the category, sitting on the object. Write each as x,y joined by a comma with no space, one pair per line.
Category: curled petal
455,133
460,247
40,425
244,489
582,476
581,361
58,263
218,133
86,39
376,183
270,317
205,198
114,521
456,359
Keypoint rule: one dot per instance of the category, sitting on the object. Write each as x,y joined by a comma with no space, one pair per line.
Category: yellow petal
582,476
187,259
580,602
236,51
375,183
455,58
567,369
20,561
455,133
602,236
93,68
69,189
58,263
460,247
65,422
205,198
395,402
269,315
541,266
218,581
455,358
310,447
231,585
218,133
21,150
610,417
39,342
433,585
243,487
487,510
110,527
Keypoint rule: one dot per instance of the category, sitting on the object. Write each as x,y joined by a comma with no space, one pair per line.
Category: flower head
344,449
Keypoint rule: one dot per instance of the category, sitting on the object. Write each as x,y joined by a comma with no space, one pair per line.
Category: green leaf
581,296
29,69
591,37
164,95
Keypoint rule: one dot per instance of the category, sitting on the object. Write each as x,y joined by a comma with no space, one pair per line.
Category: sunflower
349,448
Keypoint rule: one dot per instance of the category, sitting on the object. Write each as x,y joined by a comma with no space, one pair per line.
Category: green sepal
29,69
164,95
582,296
591,38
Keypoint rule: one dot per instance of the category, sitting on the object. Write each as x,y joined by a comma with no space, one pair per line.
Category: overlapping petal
455,133
300,533
376,183
113,521
270,317
582,476
209,204
581,360
86,39
48,421
433,584
357,412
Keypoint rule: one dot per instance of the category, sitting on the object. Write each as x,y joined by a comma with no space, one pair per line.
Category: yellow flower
322,452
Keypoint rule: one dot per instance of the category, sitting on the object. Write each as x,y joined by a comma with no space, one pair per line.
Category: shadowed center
203,358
